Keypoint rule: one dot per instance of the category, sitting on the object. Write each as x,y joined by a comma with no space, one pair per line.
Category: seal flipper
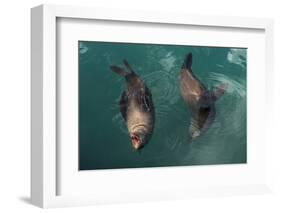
119,71
187,62
124,105
218,91
128,66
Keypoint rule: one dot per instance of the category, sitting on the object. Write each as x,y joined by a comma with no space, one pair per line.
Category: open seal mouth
136,141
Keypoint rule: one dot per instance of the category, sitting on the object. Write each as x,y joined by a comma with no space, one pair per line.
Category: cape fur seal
136,107
199,99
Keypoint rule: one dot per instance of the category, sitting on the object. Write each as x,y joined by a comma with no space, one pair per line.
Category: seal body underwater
200,101
136,107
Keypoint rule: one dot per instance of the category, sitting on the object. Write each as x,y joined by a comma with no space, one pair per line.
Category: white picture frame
44,149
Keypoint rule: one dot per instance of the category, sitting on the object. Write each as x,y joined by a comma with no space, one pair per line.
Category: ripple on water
231,112
168,62
118,121
82,48
237,56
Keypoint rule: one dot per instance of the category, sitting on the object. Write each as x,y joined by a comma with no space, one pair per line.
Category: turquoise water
103,138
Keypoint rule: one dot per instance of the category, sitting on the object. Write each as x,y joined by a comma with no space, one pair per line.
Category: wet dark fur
136,105
200,101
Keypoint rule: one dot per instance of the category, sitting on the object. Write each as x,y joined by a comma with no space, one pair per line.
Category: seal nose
136,142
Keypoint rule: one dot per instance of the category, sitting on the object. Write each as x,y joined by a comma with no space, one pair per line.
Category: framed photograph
129,106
